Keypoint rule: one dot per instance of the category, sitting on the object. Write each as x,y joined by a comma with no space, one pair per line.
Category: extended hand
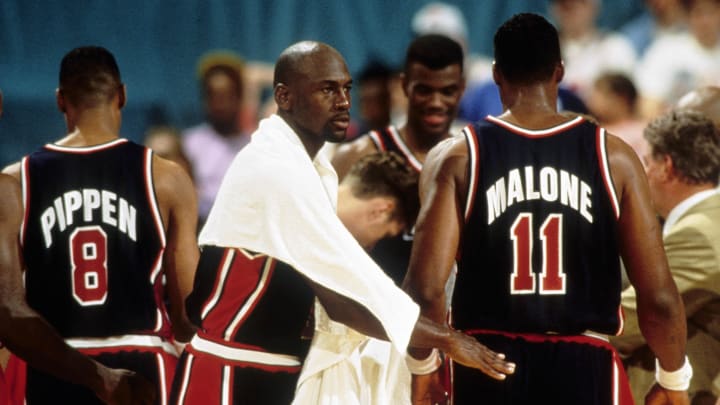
660,396
471,353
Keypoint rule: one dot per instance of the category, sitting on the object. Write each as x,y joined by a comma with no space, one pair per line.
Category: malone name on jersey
88,205
519,185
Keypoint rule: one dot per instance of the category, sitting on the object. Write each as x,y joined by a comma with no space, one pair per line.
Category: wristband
678,380
424,366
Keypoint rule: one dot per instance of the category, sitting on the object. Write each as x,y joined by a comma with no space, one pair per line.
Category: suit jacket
692,246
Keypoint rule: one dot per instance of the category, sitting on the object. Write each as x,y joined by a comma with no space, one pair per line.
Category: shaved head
299,58
312,91
705,100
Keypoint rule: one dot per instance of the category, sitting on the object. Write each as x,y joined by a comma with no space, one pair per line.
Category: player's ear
559,72
283,97
60,100
122,96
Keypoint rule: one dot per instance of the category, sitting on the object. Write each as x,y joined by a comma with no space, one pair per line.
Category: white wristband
678,380
424,366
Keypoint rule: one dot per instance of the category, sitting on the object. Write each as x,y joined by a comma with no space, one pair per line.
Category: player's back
93,239
539,251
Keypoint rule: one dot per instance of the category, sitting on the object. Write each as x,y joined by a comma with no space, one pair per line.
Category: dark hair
89,76
374,70
691,140
434,51
387,174
527,49
619,84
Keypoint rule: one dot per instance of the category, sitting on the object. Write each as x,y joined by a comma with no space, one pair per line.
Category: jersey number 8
88,254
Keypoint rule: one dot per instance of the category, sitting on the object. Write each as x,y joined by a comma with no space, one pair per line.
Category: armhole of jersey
473,151
154,208
376,138
25,184
601,139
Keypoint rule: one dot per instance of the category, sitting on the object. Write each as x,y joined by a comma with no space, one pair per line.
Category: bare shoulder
13,170
171,180
348,153
625,166
362,145
447,154
10,199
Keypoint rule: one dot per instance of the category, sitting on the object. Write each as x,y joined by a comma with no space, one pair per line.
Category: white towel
275,200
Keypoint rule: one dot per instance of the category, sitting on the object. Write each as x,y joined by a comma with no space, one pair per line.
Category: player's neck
91,129
533,107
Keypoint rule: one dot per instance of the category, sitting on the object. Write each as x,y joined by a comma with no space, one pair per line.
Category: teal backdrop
158,42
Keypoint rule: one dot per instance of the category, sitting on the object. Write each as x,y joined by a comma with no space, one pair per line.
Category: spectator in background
677,64
660,17
613,102
373,87
165,141
587,49
211,146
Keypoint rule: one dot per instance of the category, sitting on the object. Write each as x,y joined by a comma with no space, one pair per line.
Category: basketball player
108,232
273,241
34,340
537,207
433,82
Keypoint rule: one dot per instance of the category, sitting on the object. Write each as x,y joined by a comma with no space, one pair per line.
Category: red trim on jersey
84,149
25,175
377,140
536,133
539,337
410,158
601,144
474,154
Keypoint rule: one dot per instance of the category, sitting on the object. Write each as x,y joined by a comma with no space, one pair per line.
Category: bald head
312,91
298,59
705,100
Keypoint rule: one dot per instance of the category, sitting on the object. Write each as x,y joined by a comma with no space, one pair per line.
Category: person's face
371,234
222,103
433,97
375,102
574,16
704,22
322,98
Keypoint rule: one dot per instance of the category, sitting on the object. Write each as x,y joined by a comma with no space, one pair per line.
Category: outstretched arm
427,334
31,338
660,309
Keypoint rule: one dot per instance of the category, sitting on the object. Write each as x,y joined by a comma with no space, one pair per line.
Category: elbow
662,307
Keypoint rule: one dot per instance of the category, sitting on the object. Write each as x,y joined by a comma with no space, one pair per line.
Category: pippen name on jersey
90,206
519,185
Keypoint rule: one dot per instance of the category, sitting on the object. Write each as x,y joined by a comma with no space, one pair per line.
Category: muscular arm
660,309
347,154
437,231
29,336
427,334
178,204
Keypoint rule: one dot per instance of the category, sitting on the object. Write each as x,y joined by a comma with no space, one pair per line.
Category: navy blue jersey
250,299
539,247
93,239
393,254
